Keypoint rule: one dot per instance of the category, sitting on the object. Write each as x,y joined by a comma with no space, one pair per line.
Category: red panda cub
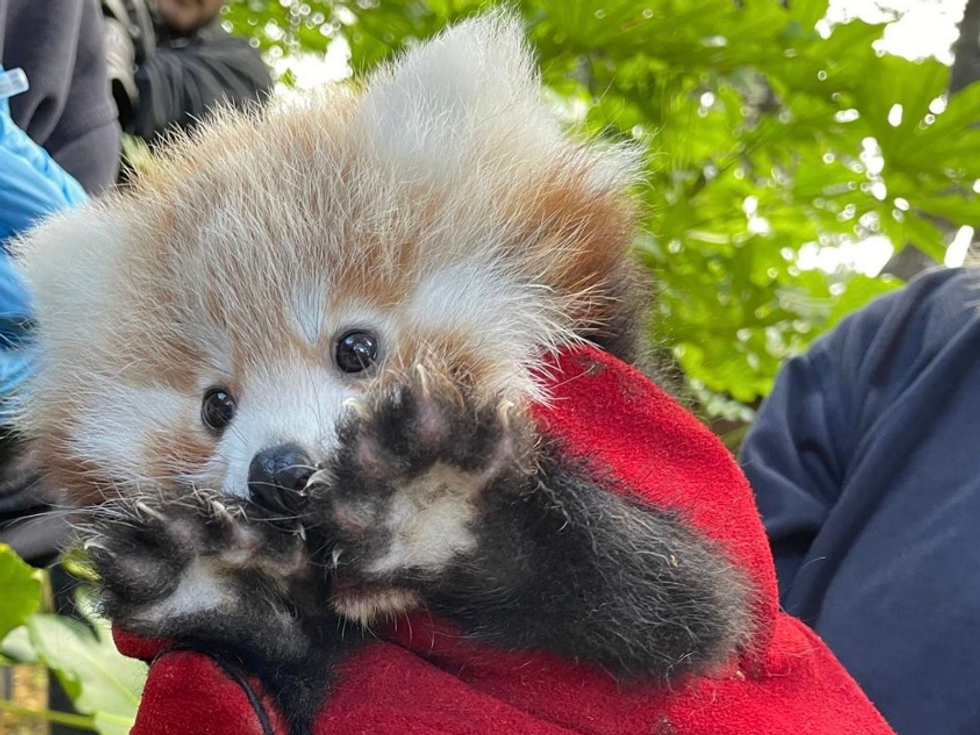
289,377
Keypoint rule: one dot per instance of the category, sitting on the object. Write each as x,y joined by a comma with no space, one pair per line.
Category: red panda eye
356,351
218,409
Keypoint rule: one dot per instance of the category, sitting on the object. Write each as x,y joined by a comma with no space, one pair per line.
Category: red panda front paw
405,487
215,574
168,565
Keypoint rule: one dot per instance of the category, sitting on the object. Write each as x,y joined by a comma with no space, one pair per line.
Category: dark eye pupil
218,409
356,351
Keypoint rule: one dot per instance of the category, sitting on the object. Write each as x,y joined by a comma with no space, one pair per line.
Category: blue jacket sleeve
799,447
792,459
32,186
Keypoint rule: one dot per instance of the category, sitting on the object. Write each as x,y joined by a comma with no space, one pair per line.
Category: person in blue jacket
865,460
32,186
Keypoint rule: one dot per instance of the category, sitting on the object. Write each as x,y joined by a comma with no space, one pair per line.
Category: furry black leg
436,494
573,568
210,573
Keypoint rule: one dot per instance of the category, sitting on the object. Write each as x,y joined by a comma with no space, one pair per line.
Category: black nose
277,477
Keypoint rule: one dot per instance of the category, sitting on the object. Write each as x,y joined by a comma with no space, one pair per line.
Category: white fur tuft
468,94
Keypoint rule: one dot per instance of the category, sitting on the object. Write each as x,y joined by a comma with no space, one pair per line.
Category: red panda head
277,264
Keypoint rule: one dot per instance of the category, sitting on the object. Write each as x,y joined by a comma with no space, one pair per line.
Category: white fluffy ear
69,264
468,92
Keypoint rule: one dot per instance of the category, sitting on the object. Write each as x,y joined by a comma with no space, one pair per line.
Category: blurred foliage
21,587
770,134
104,685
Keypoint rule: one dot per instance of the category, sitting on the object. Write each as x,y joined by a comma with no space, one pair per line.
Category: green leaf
808,12
17,647
112,724
100,681
21,586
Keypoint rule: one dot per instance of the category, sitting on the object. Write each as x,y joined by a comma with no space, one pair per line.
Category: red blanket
421,678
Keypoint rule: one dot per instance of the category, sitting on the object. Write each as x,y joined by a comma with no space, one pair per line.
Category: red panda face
218,319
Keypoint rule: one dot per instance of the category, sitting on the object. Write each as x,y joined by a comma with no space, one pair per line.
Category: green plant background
770,135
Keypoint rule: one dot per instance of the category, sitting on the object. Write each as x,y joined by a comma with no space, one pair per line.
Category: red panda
290,372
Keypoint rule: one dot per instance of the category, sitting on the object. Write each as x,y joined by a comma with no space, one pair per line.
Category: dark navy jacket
866,464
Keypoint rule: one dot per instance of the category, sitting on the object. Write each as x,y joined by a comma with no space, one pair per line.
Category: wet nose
277,477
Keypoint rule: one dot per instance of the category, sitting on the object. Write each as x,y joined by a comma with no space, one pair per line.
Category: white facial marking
297,404
503,321
468,296
309,312
119,437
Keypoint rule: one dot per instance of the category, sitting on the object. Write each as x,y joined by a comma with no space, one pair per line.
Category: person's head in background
186,16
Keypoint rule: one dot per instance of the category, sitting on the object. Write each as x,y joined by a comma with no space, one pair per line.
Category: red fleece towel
424,679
